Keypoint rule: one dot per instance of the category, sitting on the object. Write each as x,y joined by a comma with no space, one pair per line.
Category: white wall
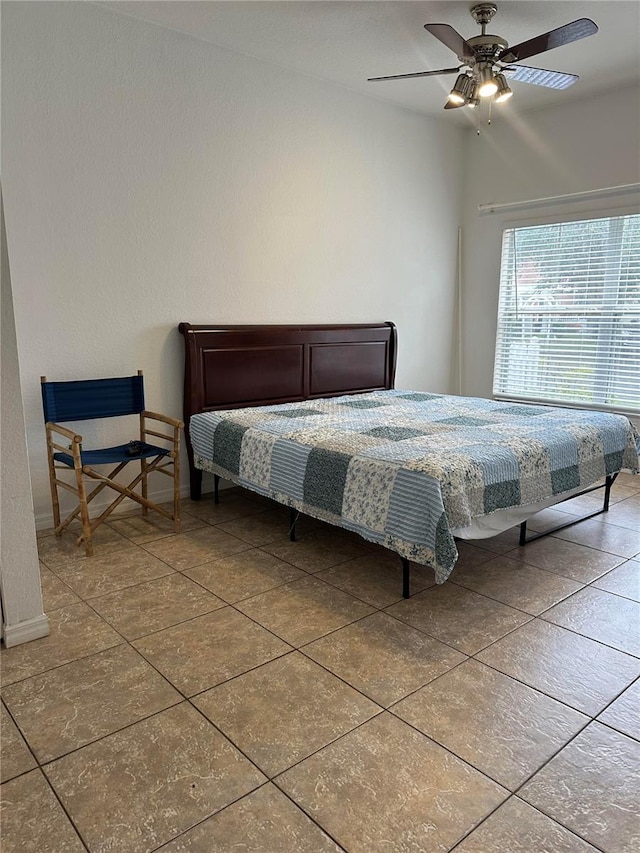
22,615
152,178
577,146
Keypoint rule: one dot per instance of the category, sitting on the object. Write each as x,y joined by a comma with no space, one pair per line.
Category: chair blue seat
111,455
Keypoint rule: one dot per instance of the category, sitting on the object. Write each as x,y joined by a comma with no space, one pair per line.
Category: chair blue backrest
92,398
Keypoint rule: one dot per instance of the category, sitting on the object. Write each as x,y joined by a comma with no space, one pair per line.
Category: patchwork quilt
404,468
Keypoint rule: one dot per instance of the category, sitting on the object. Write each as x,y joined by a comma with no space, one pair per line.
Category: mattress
406,469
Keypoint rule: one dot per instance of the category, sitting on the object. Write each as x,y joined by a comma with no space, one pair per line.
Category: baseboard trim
23,632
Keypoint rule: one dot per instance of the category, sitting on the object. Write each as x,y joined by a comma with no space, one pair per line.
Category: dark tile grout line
376,609
300,648
261,547
511,797
39,769
84,843
239,799
273,779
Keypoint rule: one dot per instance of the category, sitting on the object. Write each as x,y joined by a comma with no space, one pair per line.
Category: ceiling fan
488,61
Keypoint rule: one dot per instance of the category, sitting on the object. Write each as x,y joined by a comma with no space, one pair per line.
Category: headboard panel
229,367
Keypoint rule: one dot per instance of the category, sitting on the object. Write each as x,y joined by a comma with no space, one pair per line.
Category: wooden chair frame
168,465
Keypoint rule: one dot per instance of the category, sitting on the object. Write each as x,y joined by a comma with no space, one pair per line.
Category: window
569,314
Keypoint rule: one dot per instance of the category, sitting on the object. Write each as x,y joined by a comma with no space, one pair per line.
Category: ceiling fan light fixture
461,91
474,100
487,85
504,92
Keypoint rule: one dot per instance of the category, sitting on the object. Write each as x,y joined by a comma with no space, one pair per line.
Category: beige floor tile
75,632
386,787
155,605
605,537
625,580
136,789
458,617
146,528
283,711
568,559
317,549
244,575
593,788
548,518
304,610
85,677
624,514
578,671
470,555
517,827
383,658
70,706
123,568
210,649
270,526
185,550
504,728
515,583
608,618
264,821
500,544
622,490
584,504
15,757
233,504
33,820
593,501
55,593
624,713
57,551
376,578
628,480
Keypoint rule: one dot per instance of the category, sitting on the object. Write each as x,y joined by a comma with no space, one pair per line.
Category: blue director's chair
106,398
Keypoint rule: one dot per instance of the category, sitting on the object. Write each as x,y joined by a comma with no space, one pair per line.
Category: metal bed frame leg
216,488
608,483
293,520
406,578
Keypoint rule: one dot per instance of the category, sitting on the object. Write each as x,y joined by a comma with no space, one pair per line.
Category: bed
309,416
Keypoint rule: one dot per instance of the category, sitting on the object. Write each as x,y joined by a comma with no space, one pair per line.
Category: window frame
572,212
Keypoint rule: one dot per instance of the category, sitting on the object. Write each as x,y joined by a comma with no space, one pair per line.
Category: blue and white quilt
404,468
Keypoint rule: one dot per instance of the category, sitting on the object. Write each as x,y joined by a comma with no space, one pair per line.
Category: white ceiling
345,42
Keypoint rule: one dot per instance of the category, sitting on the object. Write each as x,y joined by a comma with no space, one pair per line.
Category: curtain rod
490,207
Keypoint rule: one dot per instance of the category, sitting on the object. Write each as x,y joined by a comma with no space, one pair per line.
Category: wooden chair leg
144,484
176,483
84,513
55,502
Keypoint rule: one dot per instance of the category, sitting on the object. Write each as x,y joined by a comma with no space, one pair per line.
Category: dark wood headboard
230,367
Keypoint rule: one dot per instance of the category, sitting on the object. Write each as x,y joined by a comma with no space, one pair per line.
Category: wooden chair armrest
174,422
72,436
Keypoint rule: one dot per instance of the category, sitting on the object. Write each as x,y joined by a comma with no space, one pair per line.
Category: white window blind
569,314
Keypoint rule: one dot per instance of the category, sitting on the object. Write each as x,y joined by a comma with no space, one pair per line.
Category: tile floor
226,690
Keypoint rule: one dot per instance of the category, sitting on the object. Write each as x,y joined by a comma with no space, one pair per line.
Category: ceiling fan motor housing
487,47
